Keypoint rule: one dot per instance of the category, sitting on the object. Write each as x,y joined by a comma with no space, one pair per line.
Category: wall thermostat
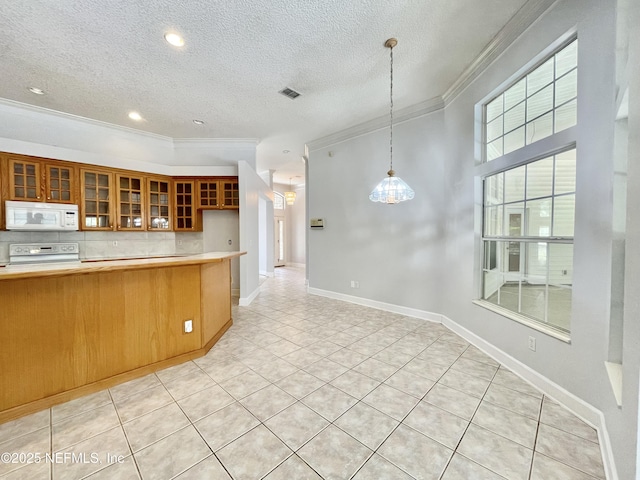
317,223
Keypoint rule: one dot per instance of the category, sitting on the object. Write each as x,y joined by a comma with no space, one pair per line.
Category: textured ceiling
100,59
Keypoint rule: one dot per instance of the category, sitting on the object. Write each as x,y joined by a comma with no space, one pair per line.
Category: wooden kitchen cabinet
230,193
185,213
36,180
116,199
159,204
208,193
24,180
130,195
59,182
96,205
221,193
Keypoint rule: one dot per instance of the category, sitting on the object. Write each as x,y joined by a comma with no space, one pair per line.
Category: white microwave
37,216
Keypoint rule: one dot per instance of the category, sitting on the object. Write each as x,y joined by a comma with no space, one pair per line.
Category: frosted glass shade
290,197
391,190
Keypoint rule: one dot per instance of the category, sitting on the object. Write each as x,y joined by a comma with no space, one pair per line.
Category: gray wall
394,251
423,254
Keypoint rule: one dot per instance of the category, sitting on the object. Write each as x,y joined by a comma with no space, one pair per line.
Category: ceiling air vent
287,92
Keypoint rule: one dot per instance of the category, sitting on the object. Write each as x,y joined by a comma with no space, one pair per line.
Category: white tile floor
303,387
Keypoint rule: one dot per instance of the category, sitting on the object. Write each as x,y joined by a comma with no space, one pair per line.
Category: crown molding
203,141
77,118
516,26
90,121
402,115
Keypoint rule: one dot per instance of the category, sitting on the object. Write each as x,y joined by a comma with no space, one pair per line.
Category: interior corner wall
394,252
423,253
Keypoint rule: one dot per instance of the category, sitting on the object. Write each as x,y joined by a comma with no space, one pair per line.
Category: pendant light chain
391,189
391,114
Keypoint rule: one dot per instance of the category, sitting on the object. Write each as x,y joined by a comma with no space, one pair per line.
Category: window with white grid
278,201
540,104
529,195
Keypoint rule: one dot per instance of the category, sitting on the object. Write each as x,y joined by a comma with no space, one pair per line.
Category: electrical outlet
188,326
355,284
532,344
114,243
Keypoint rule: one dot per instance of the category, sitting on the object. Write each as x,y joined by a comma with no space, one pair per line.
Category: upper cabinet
159,205
96,206
115,199
185,214
230,193
130,202
208,193
219,193
36,180
24,180
59,184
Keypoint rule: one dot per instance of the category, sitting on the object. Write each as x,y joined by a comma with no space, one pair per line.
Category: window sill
547,330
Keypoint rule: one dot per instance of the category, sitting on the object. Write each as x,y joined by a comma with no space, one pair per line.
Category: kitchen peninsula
70,330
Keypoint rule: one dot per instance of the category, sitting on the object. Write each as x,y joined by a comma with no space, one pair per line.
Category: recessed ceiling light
198,122
286,151
135,116
174,39
37,91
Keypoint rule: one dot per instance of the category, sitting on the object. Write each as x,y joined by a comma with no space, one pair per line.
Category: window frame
280,196
553,144
521,75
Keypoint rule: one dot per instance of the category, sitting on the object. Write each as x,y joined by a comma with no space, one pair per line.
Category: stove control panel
36,249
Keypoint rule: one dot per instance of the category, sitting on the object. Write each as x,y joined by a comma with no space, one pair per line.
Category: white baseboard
246,301
579,407
388,307
266,274
583,410
300,265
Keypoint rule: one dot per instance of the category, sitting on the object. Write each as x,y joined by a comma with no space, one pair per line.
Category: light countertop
61,269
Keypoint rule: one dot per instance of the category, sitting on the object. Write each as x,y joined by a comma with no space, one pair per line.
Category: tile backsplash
111,245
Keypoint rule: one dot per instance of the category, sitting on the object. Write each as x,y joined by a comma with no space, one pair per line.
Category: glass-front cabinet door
185,209
96,205
130,207
230,194
208,193
24,180
159,205
59,184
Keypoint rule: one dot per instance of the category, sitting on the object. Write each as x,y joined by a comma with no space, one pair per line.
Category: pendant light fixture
392,189
290,196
